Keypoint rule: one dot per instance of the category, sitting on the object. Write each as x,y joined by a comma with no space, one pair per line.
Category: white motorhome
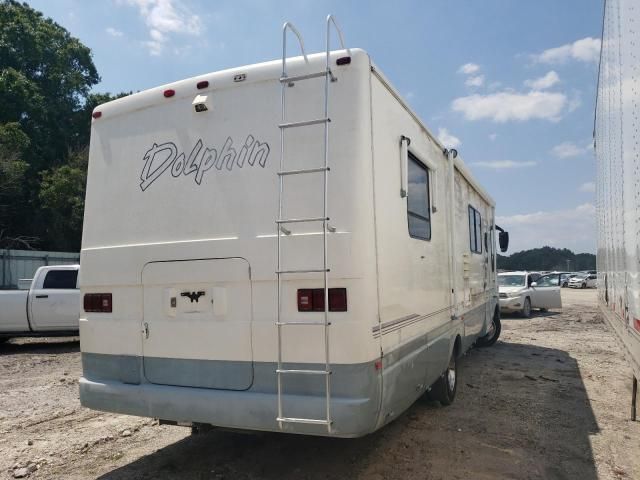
282,246
618,180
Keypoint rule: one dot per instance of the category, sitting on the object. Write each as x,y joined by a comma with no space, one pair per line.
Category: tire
544,310
4,340
584,285
526,308
444,389
493,333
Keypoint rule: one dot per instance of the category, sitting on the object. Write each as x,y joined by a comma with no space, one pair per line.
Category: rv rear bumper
352,417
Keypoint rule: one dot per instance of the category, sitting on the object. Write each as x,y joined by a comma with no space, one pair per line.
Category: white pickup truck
51,306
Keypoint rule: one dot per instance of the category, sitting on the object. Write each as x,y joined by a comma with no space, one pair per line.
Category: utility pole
568,265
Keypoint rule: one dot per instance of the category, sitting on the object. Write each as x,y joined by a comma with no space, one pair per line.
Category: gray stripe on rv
116,383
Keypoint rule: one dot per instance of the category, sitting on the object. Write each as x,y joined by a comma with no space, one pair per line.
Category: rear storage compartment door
197,323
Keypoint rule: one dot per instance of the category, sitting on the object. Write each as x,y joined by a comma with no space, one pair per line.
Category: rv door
196,327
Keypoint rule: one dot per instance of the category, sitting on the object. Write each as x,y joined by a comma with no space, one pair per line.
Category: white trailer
282,246
618,180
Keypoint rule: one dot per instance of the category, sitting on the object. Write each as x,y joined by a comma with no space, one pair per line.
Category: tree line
46,76
547,258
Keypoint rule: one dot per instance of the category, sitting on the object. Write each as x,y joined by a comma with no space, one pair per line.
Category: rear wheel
526,308
444,389
584,285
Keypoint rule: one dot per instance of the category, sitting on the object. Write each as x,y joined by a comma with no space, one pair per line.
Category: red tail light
202,84
98,302
96,115
169,93
312,300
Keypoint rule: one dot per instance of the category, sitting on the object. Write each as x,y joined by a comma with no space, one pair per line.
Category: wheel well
457,346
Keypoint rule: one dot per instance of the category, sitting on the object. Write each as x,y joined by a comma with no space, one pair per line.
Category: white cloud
493,136
542,83
164,18
572,228
475,81
568,150
584,50
448,140
505,164
113,32
505,106
588,187
469,68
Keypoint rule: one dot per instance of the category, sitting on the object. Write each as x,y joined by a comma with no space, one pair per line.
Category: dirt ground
549,401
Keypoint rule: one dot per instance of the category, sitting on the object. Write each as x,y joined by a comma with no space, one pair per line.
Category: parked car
522,291
50,307
565,277
583,280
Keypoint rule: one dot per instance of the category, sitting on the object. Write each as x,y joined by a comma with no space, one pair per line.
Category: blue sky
511,84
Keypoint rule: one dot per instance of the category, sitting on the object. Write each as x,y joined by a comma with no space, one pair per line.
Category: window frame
475,234
411,157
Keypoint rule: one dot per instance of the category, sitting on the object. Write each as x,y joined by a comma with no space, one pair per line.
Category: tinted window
548,281
418,207
475,230
511,280
61,279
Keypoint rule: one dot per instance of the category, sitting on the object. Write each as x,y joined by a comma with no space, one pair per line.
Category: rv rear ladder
288,81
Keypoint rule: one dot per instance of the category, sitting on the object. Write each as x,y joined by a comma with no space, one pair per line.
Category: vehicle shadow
521,412
40,345
534,314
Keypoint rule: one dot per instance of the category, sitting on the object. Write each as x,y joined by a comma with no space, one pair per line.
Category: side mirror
503,240
534,284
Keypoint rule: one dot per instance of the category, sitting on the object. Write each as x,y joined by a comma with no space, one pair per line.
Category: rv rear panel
182,198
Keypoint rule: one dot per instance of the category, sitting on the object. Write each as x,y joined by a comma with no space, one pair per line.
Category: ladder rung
311,421
304,123
308,322
304,372
313,270
305,76
305,170
302,220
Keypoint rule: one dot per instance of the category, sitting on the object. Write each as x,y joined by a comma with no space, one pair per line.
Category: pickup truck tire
444,389
493,333
526,308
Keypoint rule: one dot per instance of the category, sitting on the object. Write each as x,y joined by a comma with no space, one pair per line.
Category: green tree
547,258
62,196
45,80
13,143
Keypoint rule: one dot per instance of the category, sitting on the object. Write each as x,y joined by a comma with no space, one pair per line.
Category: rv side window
418,208
61,279
475,230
